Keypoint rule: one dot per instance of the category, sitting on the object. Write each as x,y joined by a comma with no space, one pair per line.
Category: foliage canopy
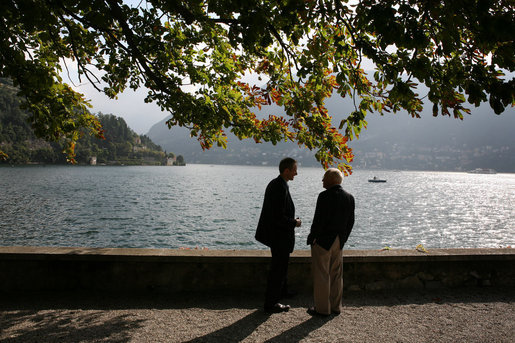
193,55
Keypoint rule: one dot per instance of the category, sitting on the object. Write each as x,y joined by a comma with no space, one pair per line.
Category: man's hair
286,163
335,176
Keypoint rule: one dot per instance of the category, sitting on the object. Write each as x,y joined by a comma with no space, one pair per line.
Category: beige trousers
327,277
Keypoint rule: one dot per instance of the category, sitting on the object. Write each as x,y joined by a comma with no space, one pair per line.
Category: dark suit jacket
334,216
276,226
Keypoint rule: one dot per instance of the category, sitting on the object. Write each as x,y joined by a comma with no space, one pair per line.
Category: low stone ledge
115,269
404,255
392,255
128,254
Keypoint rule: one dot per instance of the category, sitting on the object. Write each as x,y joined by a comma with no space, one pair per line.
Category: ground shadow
66,327
237,331
48,300
244,327
301,331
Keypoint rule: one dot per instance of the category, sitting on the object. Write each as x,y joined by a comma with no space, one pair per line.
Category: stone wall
438,268
163,270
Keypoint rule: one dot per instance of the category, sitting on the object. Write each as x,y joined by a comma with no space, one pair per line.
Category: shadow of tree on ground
65,326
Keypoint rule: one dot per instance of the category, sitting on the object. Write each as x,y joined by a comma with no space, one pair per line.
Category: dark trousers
277,276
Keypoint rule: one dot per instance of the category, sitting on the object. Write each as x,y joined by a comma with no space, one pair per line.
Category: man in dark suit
276,229
332,224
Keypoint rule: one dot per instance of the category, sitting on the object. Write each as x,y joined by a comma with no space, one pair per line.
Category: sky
130,105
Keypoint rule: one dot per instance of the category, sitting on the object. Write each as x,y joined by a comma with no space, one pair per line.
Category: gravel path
471,315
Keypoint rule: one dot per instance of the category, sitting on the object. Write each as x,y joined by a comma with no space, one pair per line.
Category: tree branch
135,52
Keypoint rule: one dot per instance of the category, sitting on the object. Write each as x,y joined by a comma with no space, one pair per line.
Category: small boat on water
482,171
375,179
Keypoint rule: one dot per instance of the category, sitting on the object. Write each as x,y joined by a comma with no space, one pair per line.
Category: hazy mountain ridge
393,141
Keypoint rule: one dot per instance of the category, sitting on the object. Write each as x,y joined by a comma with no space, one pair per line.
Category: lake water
217,207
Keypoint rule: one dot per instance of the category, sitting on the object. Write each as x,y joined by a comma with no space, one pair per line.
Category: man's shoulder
339,188
334,191
345,192
277,184
326,194
278,181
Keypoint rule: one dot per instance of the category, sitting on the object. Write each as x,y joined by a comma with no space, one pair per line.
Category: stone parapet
166,270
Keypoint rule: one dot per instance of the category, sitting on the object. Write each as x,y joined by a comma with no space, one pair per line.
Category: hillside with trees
120,145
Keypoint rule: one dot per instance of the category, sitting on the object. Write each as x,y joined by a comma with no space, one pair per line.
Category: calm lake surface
217,207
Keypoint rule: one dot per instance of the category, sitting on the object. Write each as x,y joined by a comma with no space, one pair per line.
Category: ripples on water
217,207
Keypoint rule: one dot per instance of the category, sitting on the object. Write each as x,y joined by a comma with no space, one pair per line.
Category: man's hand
298,222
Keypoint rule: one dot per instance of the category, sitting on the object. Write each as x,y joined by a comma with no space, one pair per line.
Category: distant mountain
392,141
241,152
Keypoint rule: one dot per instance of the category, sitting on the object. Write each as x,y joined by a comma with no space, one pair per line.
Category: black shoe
312,311
289,294
277,308
336,313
